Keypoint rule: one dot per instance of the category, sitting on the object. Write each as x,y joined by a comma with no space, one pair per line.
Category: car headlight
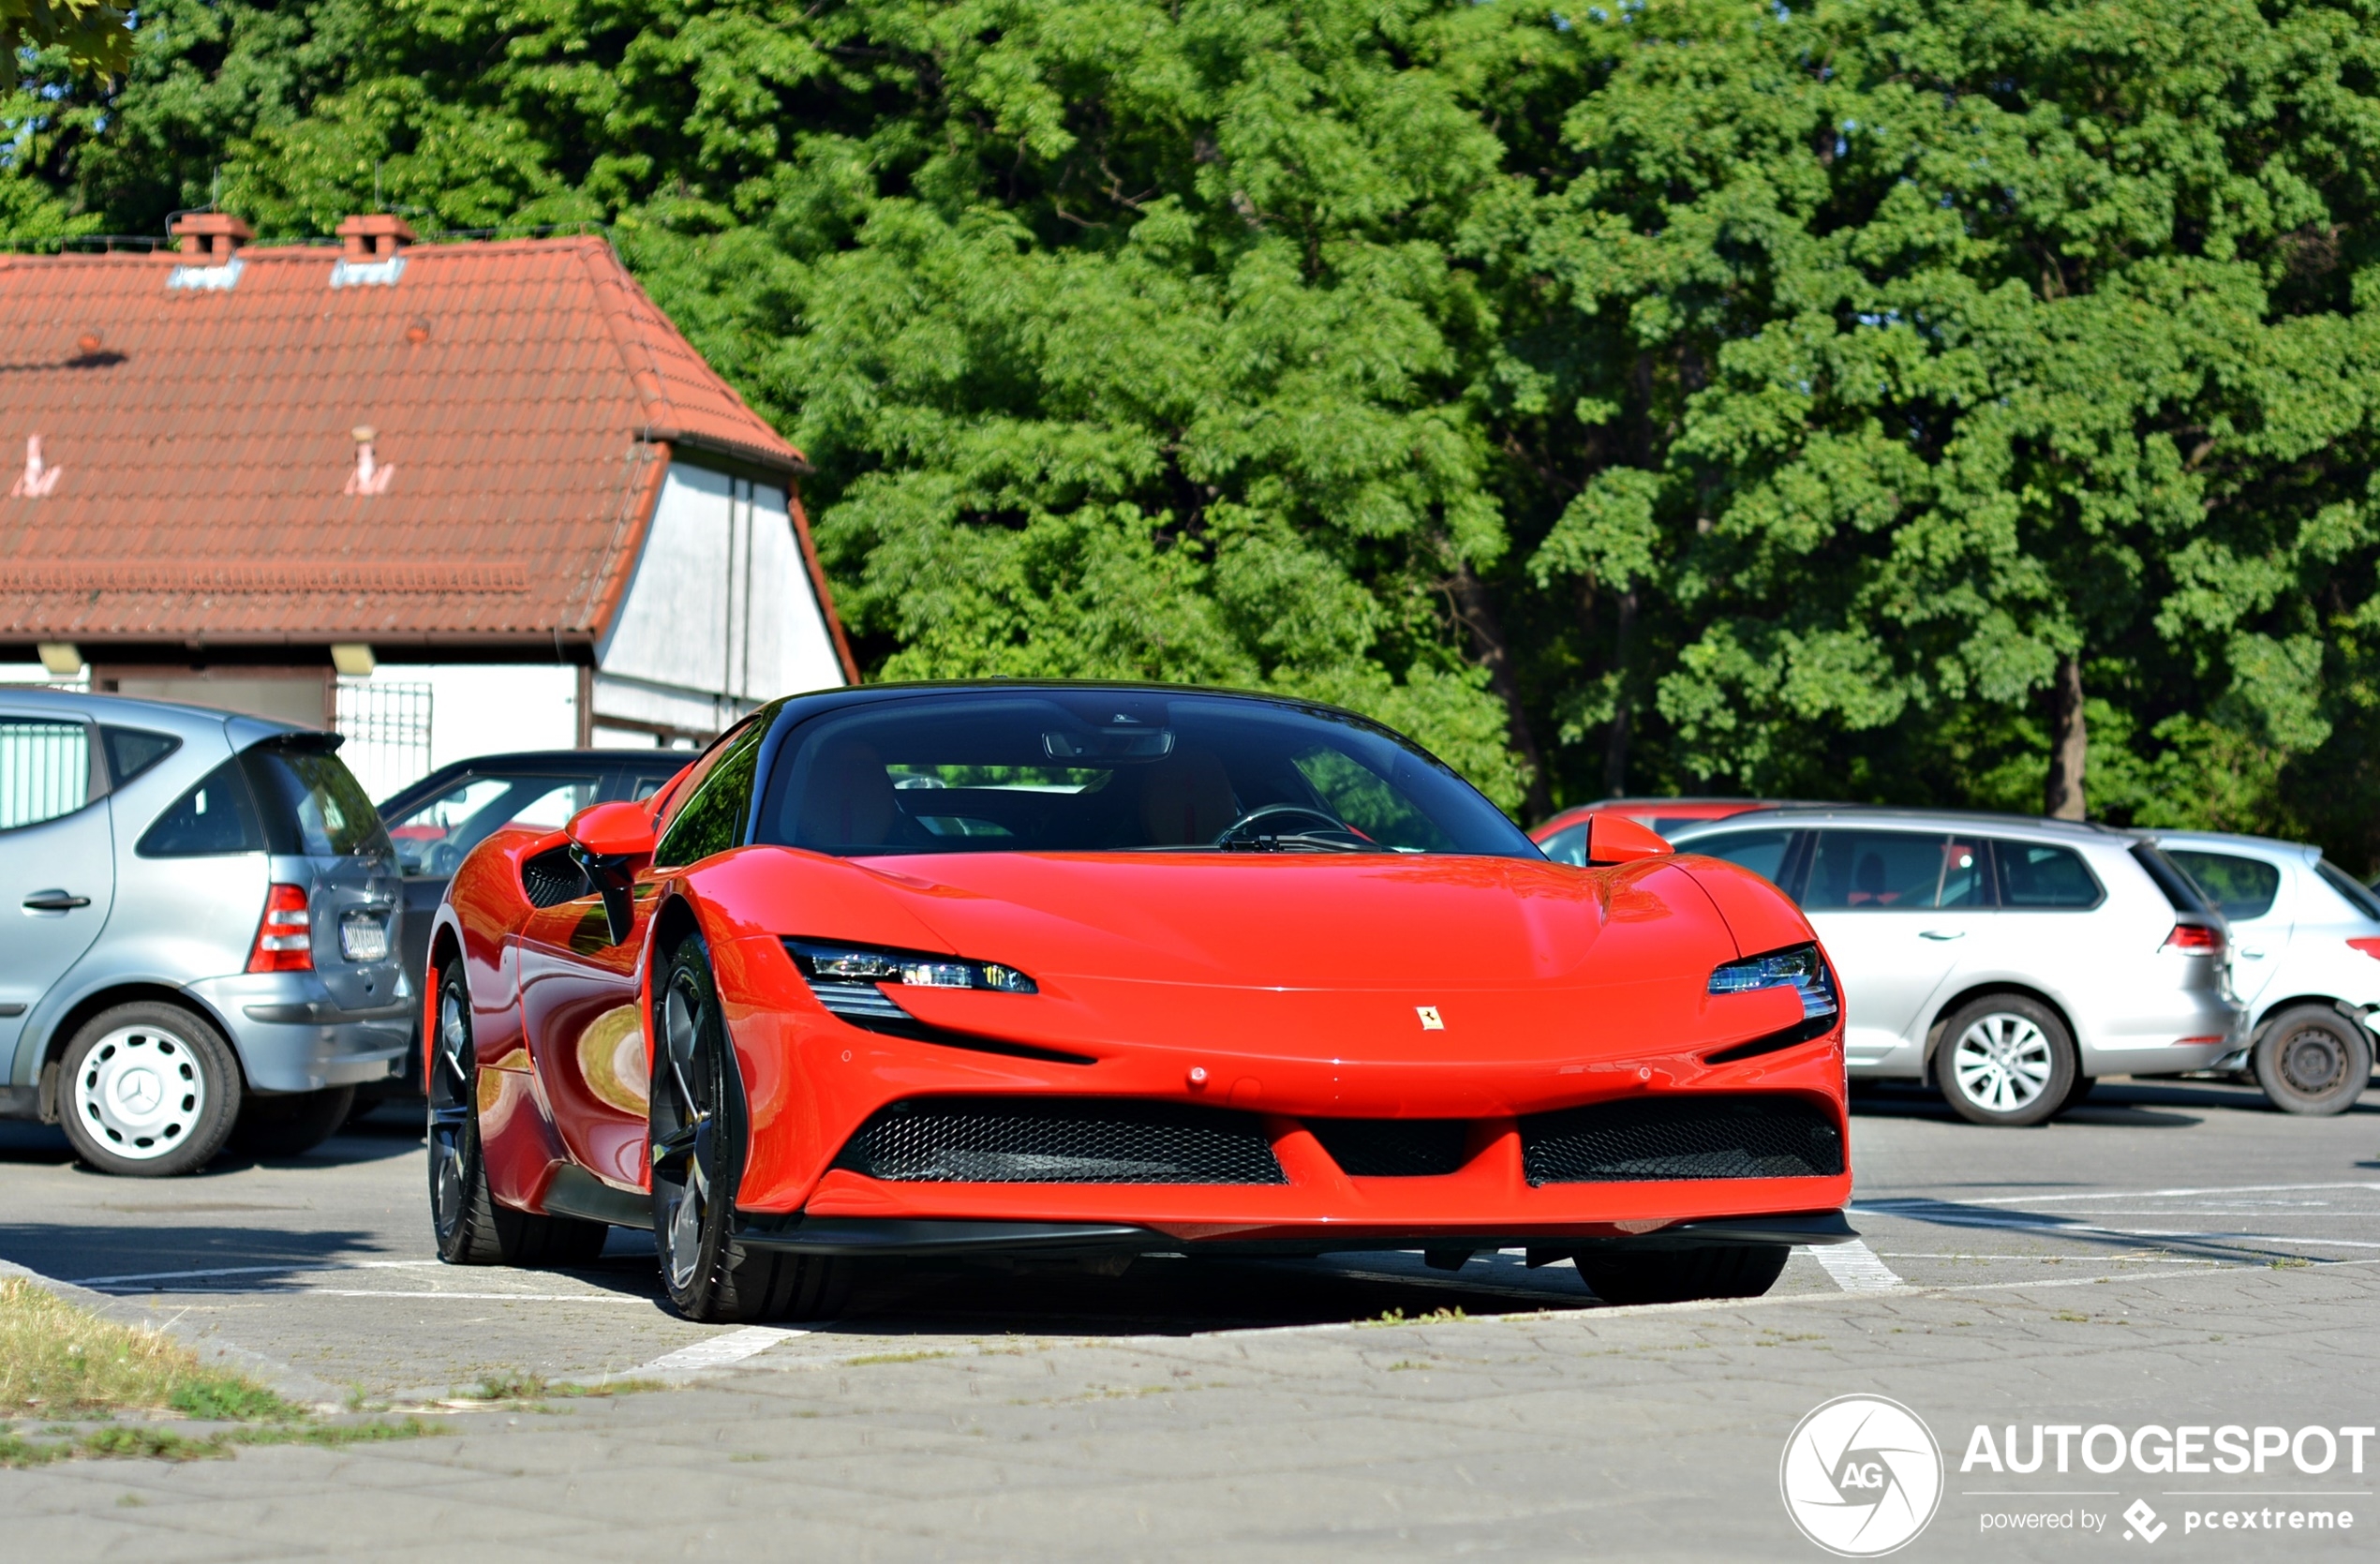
1799,967
850,979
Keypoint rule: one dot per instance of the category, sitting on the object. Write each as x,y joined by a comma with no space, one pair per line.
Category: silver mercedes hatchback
200,934
2010,960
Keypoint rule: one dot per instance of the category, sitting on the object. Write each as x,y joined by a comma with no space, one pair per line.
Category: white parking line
255,1270
2163,1194
1855,1267
732,1347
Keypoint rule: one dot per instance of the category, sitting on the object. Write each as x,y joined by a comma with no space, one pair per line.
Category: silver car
2305,961
200,930
2011,960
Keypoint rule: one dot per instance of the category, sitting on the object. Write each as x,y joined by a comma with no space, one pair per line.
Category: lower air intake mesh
1752,1135
1059,1140
1393,1148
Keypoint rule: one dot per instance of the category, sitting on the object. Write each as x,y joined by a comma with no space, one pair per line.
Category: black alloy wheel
2312,1060
1682,1276
697,1140
470,1226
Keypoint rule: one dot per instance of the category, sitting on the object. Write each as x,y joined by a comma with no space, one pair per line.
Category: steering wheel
443,858
1332,835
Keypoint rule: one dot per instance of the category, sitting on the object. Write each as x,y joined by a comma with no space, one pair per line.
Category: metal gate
387,728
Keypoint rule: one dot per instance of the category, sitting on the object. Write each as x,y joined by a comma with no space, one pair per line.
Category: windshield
432,837
1095,770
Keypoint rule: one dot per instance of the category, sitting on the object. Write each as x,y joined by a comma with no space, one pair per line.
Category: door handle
1941,933
54,901
2252,952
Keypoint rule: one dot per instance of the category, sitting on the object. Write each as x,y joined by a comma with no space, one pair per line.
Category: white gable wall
719,615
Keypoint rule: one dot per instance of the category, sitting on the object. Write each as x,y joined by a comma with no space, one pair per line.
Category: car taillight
2370,947
2195,939
284,942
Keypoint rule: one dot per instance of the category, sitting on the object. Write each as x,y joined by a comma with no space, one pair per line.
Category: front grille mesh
1751,1136
1393,1148
554,877
1059,1140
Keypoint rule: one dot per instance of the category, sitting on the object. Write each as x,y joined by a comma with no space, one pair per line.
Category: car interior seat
848,802
1186,799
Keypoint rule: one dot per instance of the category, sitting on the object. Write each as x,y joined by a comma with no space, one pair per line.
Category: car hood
1330,960
1257,921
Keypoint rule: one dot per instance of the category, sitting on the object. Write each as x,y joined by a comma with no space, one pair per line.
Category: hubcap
685,1143
2311,1062
450,1109
140,1091
2001,1063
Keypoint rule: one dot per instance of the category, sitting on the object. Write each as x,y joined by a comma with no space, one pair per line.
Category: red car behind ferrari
1088,969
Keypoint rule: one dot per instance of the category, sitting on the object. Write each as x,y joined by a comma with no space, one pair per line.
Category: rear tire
290,1125
2006,1060
471,1229
696,1141
2312,1060
148,1091
1682,1276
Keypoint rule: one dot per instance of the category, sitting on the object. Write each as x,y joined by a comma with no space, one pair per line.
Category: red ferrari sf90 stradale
1088,969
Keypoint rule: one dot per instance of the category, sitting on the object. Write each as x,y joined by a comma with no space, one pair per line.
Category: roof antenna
38,481
370,477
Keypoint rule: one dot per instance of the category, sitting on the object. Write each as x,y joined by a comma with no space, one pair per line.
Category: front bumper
292,1037
831,1235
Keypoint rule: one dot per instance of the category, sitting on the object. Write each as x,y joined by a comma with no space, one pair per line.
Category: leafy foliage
1703,395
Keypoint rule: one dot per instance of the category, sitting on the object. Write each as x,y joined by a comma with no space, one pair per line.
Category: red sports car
1115,969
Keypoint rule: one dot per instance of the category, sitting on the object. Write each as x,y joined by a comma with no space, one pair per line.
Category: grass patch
894,1358
60,1362
532,1390
1435,1317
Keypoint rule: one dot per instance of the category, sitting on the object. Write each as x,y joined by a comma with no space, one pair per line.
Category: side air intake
1059,1140
1746,1135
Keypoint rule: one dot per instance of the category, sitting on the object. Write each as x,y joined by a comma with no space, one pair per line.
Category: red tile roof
528,393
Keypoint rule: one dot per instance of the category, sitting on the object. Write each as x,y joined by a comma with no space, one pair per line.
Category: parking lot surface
2167,1254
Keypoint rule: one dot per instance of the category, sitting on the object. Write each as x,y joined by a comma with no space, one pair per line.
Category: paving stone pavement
2170,1259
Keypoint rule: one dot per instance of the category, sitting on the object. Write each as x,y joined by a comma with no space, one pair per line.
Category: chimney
209,238
375,235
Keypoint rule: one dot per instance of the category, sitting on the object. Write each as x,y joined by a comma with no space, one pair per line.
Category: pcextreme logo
1862,1476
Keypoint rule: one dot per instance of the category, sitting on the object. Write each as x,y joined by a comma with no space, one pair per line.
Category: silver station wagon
2011,960
200,930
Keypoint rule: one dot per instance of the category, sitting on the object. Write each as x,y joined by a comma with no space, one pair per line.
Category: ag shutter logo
1862,1476
2144,1520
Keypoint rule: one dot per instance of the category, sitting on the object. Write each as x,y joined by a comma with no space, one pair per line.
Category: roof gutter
759,455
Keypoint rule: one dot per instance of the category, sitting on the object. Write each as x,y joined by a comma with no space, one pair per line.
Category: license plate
364,937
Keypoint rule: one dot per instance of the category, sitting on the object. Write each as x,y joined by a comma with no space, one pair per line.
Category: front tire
471,1229
696,1142
148,1091
1683,1276
2312,1060
2006,1060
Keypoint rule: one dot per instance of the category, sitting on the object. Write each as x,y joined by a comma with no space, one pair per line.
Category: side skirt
576,1192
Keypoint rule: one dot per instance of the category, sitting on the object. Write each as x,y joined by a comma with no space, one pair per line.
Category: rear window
2034,876
2239,887
2360,897
311,804
2180,891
